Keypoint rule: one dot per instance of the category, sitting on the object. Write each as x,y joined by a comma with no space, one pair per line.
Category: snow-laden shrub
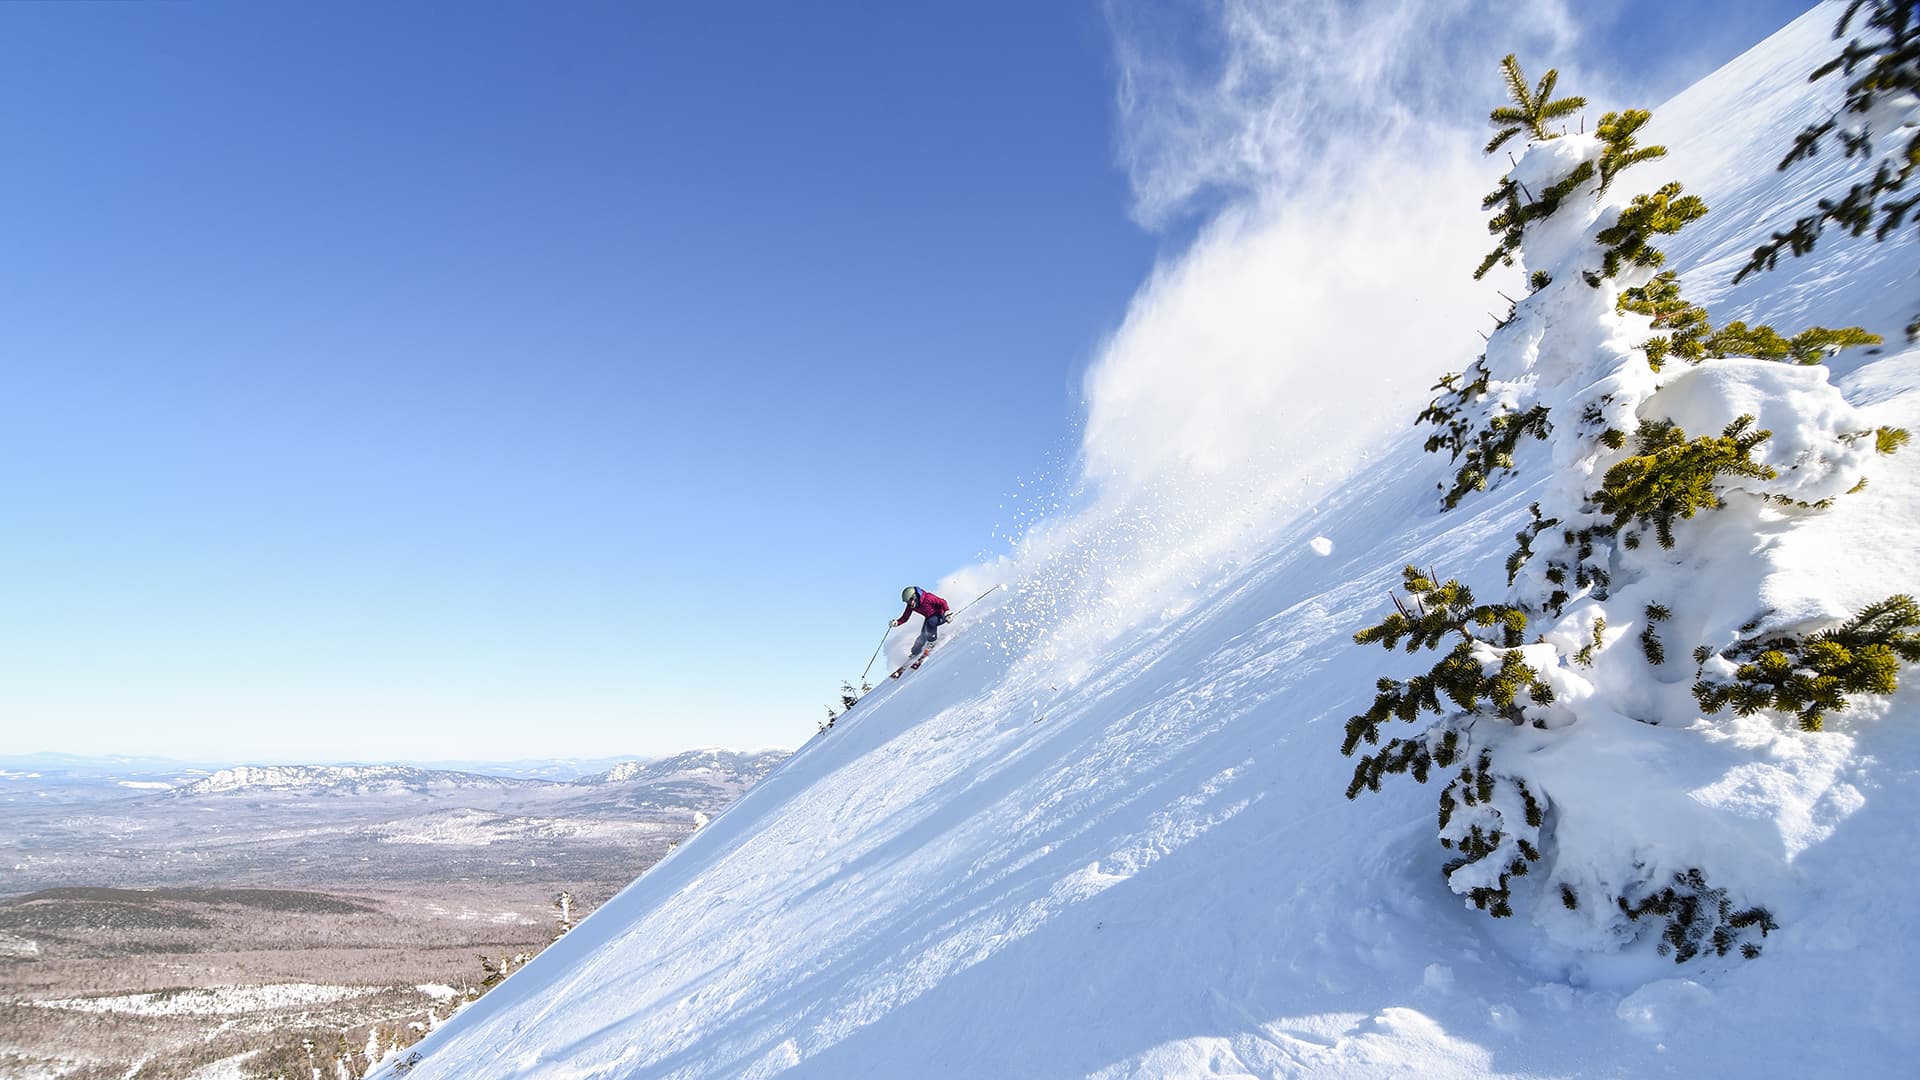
1652,425
1492,820
1809,675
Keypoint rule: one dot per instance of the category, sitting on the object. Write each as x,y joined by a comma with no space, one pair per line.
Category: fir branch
1629,239
1531,111
1617,131
1671,477
1698,918
1812,675
1883,62
1690,336
1650,644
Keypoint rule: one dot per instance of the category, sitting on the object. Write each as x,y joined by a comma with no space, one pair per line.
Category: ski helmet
910,594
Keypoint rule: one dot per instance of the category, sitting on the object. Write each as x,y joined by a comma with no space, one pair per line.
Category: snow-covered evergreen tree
1651,424
375,1049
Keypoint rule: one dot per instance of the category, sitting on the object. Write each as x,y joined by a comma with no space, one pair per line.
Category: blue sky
438,380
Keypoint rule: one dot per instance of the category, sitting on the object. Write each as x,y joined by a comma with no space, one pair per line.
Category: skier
933,614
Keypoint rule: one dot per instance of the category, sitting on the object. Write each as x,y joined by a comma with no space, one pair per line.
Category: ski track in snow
1124,851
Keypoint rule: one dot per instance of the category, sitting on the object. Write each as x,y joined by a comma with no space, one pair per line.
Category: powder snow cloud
1336,146
1265,96
1325,156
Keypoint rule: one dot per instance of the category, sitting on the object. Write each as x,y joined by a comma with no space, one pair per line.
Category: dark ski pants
929,630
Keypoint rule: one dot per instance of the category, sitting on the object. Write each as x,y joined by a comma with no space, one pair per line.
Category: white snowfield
212,1000
476,828
1094,839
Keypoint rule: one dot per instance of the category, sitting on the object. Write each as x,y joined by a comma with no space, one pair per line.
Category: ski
914,665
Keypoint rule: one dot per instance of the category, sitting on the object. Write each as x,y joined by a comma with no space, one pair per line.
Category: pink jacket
929,605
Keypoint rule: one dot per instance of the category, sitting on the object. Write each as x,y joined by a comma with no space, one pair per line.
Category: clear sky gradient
468,380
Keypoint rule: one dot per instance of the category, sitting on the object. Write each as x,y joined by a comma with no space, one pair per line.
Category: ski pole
875,656
974,601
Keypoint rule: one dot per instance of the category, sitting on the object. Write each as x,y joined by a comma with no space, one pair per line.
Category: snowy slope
1111,840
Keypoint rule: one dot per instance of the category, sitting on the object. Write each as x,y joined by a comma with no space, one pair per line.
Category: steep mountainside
1118,845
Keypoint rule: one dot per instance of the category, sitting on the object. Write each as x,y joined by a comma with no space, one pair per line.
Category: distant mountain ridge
91,766
335,825
202,778
712,766
705,764
345,780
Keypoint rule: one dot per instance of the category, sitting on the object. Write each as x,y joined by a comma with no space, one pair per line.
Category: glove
891,623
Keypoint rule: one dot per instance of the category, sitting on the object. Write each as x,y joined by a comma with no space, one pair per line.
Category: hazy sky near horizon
500,380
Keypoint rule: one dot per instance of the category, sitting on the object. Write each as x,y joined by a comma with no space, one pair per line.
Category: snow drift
1102,832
